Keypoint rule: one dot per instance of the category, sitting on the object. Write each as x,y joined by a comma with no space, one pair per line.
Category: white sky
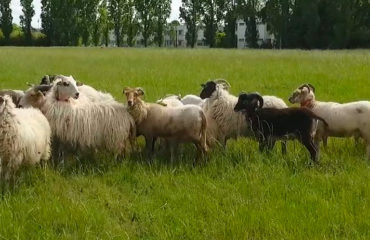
36,22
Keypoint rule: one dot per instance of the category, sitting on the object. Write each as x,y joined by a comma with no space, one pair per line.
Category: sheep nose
77,95
129,103
20,106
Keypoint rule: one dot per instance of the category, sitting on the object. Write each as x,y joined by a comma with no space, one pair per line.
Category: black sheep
268,124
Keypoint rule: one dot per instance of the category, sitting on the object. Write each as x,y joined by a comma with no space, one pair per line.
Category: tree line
307,24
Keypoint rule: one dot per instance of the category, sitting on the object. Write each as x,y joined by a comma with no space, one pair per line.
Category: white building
178,38
264,36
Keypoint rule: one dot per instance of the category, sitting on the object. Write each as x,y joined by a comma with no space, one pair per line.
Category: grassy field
238,194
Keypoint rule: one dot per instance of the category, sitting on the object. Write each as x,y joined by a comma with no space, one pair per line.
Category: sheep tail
203,132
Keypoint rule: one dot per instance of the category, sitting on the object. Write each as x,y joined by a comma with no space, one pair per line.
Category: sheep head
48,79
225,84
208,89
5,102
133,95
249,102
34,97
66,88
1,102
211,86
304,93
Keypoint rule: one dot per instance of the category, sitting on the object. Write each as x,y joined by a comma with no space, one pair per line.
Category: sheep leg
262,145
284,147
270,144
149,145
308,142
325,141
2,178
368,149
173,151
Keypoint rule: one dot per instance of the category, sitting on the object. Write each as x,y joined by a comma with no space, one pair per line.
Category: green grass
238,194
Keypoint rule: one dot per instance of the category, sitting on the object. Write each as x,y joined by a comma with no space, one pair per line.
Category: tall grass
238,194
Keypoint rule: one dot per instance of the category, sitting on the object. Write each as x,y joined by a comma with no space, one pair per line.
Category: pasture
238,194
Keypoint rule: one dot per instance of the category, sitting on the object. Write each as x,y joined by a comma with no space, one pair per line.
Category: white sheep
177,124
219,106
170,101
24,138
344,120
193,100
32,98
78,122
16,95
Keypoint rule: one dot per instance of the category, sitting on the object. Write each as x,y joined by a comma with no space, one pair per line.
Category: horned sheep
269,124
24,138
177,124
219,106
345,120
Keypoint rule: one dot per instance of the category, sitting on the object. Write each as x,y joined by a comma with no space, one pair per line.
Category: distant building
264,37
178,38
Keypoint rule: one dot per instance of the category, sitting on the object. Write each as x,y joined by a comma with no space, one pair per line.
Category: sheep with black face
269,124
219,110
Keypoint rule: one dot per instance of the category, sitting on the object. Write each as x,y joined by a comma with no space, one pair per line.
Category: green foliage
146,15
190,12
220,39
116,14
172,31
212,15
103,24
6,18
162,11
238,194
318,23
231,15
26,19
87,20
131,21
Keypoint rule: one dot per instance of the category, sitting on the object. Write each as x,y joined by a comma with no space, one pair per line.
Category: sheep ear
40,93
140,91
162,104
126,89
79,84
312,87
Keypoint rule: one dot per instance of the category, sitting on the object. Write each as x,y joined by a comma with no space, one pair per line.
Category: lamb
345,120
16,95
219,106
24,138
193,100
179,124
76,121
269,124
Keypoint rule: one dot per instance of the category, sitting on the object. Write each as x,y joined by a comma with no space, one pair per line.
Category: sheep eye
65,84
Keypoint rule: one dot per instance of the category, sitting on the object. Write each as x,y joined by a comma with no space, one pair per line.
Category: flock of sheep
74,118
